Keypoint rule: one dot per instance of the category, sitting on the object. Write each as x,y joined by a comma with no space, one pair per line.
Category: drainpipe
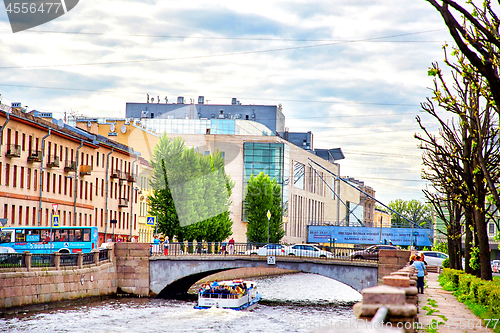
1,131
132,201
41,181
76,182
107,185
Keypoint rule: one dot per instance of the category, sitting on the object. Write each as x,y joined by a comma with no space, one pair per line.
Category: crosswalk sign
151,220
55,221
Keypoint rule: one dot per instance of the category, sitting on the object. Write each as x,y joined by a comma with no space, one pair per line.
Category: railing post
96,256
57,260
27,260
80,259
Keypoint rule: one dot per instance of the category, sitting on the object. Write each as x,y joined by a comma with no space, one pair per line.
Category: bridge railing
260,249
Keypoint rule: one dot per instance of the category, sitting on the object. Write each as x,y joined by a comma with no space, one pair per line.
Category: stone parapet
132,266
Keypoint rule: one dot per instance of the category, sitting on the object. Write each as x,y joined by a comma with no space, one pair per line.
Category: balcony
35,156
53,162
130,177
116,174
123,175
13,151
85,170
69,166
123,202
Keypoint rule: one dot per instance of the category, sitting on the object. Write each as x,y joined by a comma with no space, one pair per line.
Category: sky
352,72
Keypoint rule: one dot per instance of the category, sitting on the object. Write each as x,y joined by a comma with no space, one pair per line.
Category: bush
446,263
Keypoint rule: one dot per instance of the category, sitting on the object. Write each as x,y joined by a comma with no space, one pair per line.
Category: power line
202,56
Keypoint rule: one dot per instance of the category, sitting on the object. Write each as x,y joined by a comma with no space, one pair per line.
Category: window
65,185
0,172
7,174
33,217
60,183
21,181
48,182
81,190
70,187
491,228
14,178
91,191
13,217
28,180
102,188
97,159
20,215
24,142
35,180
54,183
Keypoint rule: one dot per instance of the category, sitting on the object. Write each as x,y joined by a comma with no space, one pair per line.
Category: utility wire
201,56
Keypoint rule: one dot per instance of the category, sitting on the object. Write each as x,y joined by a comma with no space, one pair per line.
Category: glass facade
272,159
205,126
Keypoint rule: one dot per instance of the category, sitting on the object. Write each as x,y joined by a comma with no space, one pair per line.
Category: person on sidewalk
420,266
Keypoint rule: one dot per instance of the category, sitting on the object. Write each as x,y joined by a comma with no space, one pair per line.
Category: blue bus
47,240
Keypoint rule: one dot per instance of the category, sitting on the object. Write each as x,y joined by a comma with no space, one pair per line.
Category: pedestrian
165,246
156,246
419,265
231,246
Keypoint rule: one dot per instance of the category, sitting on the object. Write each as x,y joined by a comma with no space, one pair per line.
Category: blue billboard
368,235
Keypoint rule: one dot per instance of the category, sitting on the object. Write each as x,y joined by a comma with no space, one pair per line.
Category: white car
434,258
268,250
5,249
306,250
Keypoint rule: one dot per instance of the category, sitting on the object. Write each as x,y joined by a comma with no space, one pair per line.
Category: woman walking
420,266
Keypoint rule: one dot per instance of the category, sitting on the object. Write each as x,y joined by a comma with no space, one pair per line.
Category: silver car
434,258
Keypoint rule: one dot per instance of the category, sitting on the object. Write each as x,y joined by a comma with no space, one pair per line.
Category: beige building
45,162
307,198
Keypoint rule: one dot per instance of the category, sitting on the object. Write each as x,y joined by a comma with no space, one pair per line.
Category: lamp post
113,222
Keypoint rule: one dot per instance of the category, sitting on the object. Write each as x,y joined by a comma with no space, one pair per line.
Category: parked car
306,250
371,253
434,258
6,258
268,250
5,249
494,268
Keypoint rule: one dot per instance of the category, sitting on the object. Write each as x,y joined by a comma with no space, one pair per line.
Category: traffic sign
55,221
3,222
268,214
54,207
151,220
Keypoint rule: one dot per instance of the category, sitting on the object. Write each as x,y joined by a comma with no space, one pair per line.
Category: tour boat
220,298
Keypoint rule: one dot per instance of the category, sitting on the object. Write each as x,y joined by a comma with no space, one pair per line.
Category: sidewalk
460,318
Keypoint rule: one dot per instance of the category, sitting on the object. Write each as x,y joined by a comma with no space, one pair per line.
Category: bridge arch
175,275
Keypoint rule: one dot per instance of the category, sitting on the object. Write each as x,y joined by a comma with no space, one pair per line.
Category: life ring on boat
238,281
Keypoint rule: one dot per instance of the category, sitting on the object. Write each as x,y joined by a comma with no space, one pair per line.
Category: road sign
54,207
151,220
55,221
3,222
271,260
268,214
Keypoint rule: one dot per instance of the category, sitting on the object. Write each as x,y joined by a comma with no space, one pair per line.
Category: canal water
291,303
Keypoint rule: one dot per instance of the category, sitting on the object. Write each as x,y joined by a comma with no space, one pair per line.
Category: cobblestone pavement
437,304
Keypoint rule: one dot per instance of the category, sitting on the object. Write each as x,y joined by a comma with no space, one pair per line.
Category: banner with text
367,235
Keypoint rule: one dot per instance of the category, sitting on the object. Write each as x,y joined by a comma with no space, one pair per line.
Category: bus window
78,235
6,236
86,235
64,235
33,235
57,236
46,236
71,235
20,236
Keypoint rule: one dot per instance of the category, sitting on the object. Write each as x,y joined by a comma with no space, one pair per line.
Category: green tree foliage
190,192
413,210
263,194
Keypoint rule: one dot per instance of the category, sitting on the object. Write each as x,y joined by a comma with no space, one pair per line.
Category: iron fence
88,258
11,260
262,249
103,254
69,259
43,260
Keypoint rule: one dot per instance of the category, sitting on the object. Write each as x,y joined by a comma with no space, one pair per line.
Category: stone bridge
171,275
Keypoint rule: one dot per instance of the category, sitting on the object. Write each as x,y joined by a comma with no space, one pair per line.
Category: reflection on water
292,303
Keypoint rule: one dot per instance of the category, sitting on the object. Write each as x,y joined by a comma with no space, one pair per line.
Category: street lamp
113,222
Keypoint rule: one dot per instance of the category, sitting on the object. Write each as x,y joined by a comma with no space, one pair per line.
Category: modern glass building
272,159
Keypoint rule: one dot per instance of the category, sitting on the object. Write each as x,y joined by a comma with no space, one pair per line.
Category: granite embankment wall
125,271
27,286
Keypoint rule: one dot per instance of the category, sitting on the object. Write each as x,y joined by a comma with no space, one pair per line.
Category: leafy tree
263,194
413,210
190,192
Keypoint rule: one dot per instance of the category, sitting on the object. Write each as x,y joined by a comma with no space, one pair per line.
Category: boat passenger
239,289
225,292
233,292
214,284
